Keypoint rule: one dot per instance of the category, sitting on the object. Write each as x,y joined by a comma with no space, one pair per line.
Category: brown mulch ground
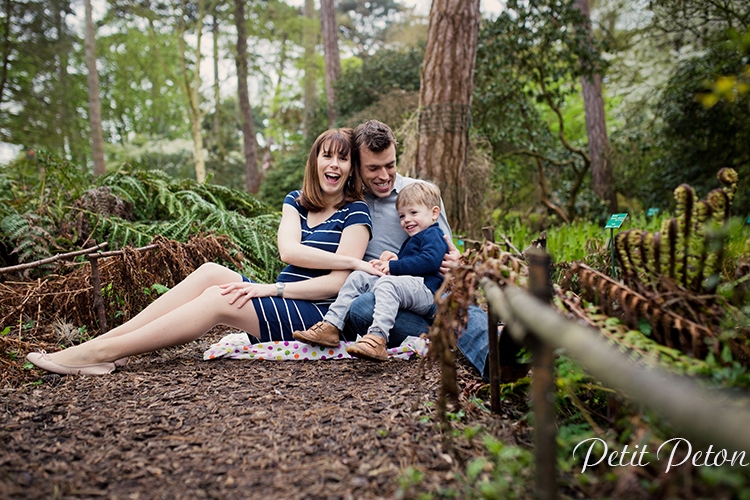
170,425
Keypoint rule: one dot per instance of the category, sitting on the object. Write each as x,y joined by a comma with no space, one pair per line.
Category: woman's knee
211,273
219,306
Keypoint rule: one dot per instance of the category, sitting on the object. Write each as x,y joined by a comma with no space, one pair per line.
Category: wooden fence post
96,284
543,384
492,320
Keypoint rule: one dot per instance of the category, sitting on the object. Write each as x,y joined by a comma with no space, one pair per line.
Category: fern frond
28,233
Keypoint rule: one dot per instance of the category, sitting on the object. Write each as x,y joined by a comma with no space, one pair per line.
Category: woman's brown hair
340,141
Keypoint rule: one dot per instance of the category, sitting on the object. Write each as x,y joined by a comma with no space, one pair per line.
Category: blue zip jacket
421,255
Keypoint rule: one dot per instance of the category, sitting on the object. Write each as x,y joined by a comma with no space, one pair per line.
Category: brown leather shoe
321,333
370,346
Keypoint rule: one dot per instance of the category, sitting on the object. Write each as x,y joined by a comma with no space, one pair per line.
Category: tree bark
192,86
7,47
309,87
329,29
217,94
252,178
596,129
95,106
445,101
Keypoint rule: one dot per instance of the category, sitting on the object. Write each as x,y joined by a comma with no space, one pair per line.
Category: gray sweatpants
391,294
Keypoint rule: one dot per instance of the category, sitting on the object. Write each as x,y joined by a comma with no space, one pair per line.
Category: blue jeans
472,342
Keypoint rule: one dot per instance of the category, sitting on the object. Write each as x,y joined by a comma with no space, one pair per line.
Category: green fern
31,239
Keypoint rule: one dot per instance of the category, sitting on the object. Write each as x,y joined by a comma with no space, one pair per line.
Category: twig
120,252
52,259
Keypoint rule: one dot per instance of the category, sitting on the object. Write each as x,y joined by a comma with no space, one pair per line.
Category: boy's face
378,170
416,217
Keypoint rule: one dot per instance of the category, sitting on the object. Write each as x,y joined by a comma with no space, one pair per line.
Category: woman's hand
369,267
242,291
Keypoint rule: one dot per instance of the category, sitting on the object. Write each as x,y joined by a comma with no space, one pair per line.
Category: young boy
411,278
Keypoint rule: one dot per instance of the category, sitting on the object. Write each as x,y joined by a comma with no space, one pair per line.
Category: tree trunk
309,87
217,94
596,130
252,179
95,106
7,47
331,54
192,87
66,125
445,101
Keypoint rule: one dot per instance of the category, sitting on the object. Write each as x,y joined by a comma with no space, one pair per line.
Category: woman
324,227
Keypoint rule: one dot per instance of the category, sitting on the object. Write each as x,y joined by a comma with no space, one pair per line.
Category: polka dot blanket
238,346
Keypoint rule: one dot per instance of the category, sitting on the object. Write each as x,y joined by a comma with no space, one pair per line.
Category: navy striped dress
279,317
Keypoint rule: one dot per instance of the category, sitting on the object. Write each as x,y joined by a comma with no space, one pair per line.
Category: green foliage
689,143
30,234
59,208
389,69
285,176
365,24
529,62
177,209
44,78
36,192
500,471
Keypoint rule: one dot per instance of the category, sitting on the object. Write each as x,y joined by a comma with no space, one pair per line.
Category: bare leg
196,283
182,324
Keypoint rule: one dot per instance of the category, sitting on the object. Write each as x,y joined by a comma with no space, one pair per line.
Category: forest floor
170,425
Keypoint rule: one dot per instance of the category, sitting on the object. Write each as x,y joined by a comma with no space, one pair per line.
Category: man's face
378,170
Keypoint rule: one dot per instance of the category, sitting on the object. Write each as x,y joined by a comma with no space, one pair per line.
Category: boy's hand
381,266
451,258
388,255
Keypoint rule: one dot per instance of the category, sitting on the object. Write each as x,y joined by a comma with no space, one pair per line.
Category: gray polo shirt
387,233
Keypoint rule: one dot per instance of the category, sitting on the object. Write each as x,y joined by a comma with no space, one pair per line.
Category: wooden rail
93,254
711,417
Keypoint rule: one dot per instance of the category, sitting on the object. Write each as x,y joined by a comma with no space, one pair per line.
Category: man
376,144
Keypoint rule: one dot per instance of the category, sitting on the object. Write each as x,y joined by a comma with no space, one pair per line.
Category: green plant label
615,221
653,211
748,220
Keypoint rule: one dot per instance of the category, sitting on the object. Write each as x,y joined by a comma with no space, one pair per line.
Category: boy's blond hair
419,192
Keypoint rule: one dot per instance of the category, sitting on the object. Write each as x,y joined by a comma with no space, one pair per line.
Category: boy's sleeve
429,257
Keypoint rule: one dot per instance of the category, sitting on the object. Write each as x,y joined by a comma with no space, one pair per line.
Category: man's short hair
374,135
419,193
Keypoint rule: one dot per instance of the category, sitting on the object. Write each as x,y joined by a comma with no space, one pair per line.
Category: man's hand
451,258
388,255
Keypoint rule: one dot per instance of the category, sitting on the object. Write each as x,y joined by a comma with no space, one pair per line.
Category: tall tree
596,125
445,100
217,88
187,23
366,24
66,118
6,46
329,29
309,87
95,106
252,178
44,87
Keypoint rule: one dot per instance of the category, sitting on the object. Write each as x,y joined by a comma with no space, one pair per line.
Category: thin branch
54,258
112,253
536,154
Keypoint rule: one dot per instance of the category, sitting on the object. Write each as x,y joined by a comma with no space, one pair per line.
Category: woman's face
333,169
